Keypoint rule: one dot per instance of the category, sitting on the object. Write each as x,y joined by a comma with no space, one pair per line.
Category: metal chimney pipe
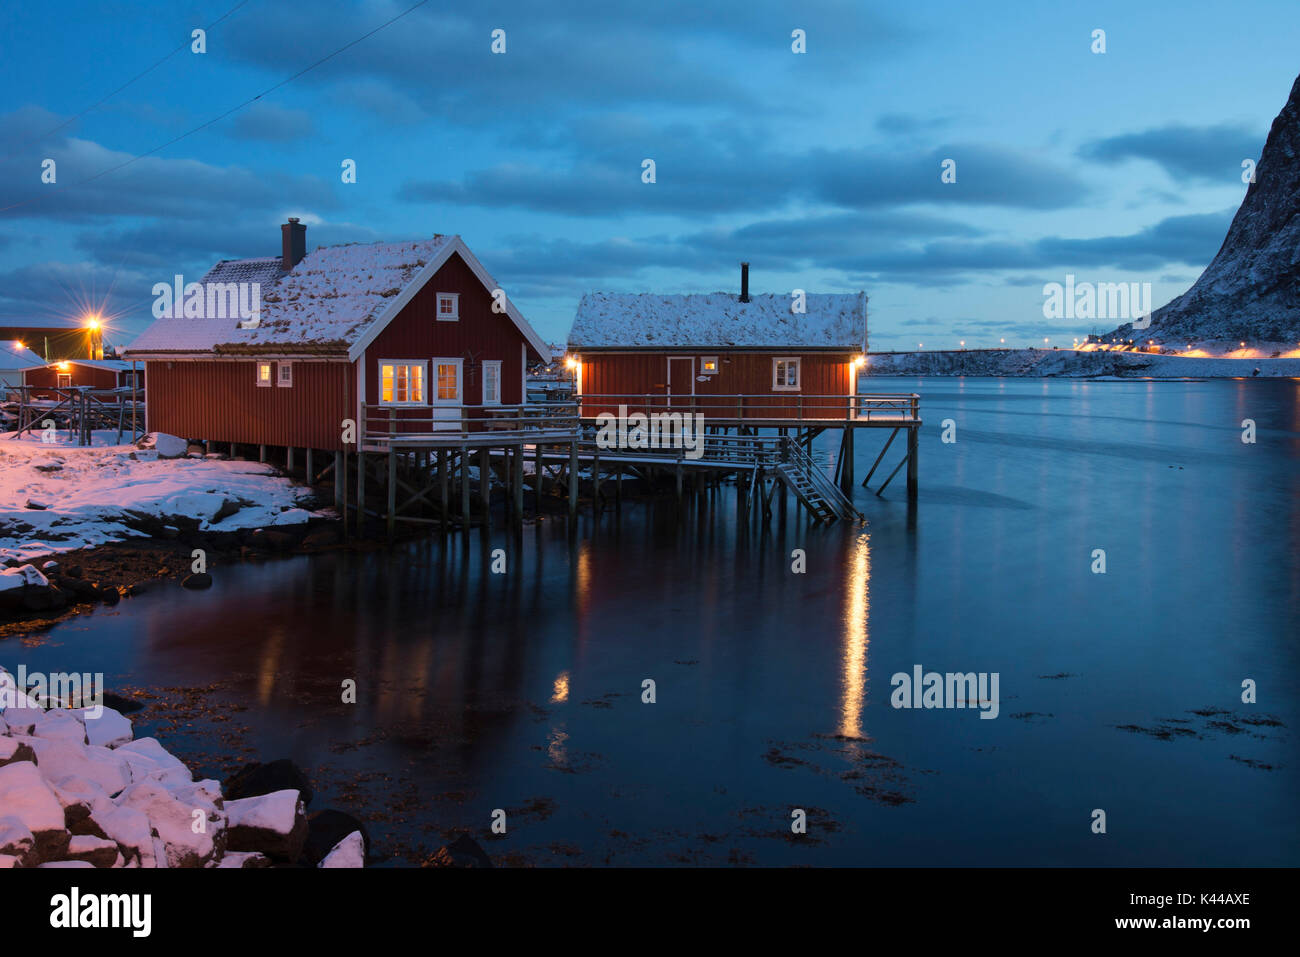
744,282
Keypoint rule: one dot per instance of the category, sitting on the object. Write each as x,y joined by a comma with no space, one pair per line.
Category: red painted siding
478,335
222,401
47,377
739,373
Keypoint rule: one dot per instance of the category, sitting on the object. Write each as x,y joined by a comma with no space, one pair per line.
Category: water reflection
857,607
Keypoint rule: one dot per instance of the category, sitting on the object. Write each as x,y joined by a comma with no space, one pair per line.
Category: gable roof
113,365
15,355
718,320
333,302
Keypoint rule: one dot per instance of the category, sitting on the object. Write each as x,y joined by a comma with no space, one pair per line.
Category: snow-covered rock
174,822
60,725
16,838
25,795
349,852
167,446
275,824
148,758
58,759
96,851
109,730
20,576
242,859
129,827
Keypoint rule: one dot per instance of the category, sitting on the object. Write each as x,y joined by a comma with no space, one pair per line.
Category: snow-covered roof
719,320
15,355
335,301
322,305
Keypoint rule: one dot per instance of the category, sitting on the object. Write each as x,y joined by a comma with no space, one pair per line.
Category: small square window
709,365
264,373
285,377
448,306
785,375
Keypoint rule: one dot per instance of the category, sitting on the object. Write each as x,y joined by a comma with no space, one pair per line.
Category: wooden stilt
595,482
444,486
464,487
573,480
311,468
288,458
338,484
517,484
913,466
361,490
485,481
539,474
876,464
392,491
261,453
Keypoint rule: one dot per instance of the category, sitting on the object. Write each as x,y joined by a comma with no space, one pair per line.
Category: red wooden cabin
406,332
726,356
93,373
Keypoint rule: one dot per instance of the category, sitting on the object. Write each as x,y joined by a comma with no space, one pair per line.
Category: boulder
95,851
147,758
128,827
109,730
279,775
197,581
325,829
228,507
60,725
274,824
172,819
16,838
167,446
244,859
349,852
25,796
462,852
58,759
12,750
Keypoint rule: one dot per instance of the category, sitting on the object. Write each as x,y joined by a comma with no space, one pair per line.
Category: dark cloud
154,186
1204,153
272,124
716,171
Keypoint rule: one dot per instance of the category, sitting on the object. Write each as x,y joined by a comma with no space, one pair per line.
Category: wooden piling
392,491
338,484
517,484
444,486
573,480
485,481
913,465
311,469
464,486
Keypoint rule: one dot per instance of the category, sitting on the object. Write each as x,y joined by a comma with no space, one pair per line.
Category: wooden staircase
812,487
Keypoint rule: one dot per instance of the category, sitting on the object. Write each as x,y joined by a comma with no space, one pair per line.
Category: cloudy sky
822,169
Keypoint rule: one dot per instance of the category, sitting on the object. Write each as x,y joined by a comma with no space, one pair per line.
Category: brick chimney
744,282
293,243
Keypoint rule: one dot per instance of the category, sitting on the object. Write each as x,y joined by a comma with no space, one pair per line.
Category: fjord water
523,691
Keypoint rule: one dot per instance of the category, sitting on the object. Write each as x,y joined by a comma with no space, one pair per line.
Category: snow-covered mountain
1251,290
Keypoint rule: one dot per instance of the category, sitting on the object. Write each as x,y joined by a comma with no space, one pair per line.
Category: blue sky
822,169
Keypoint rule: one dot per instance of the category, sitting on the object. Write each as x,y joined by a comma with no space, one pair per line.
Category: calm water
523,691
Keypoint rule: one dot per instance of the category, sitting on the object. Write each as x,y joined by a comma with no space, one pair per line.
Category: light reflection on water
482,691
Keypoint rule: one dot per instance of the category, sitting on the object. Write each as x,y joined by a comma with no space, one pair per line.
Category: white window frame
270,376
455,307
59,377
280,369
704,361
409,363
460,381
798,374
491,364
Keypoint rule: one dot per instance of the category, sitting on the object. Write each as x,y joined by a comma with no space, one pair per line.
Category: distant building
53,339
415,331
15,359
777,352
94,373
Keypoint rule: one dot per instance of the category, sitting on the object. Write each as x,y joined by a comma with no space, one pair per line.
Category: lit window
401,383
264,373
448,306
785,375
448,381
285,377
492,382
709,365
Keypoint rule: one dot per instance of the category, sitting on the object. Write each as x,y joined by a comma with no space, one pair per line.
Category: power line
100,102
233,109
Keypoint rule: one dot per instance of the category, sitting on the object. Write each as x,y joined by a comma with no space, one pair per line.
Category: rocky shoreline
77,789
